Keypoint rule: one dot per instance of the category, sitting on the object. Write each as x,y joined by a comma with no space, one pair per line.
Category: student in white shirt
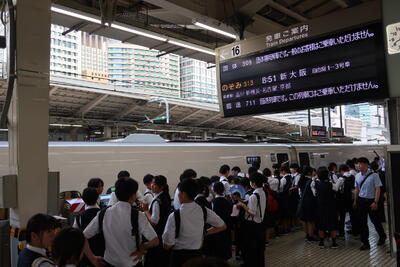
157,214
332,167
284,198
185,229
187,174
224,173
40,232
114,199
119,234
273,182
254,238
68,247
148,194
236,171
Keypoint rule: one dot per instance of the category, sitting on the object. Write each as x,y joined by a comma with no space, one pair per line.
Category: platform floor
292,250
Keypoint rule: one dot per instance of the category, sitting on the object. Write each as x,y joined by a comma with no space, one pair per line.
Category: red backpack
272,202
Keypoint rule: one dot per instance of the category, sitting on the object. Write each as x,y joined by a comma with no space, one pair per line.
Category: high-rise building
198,83
65,52
94,57
359,111
136,67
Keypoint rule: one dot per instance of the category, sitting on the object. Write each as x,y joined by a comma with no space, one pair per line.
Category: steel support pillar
28,116
390,15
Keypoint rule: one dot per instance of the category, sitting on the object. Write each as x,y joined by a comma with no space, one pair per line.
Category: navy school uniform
96,243
157,256
308,203
202,201
284,198
220,244
31,254
327,216
254,238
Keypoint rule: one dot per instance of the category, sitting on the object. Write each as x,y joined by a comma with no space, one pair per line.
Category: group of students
207,216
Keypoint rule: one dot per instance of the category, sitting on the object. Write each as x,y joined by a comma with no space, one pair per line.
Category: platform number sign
393,38
236,51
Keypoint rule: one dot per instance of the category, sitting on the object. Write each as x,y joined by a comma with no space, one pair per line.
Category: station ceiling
175,18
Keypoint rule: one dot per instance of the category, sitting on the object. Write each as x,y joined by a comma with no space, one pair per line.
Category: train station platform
293,251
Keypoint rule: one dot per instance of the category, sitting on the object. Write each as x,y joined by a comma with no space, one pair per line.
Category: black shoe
334,245
365,247
310,239
381,242
321,244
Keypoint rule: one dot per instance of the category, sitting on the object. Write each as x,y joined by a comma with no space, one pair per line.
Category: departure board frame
315,67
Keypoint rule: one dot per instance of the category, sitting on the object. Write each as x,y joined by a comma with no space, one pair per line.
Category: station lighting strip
207,27
130,29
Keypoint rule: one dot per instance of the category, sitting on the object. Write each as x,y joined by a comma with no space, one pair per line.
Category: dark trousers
364,210
342,217
355,222
156,257
137,265
180,256
254,244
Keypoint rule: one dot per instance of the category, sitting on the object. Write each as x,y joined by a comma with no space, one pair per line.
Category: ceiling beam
252,7
256,124
224,122
189,116
126,111
341,3
286,11
89,106
244,121
210,119
53,91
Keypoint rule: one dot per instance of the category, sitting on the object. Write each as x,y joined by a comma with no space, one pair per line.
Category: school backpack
37,262
272,201
134,223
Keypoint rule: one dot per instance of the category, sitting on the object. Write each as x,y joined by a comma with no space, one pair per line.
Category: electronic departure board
331,69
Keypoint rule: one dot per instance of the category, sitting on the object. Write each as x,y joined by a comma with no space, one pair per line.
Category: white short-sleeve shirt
117,229
191,227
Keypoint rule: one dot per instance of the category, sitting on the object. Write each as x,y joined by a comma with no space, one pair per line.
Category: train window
304,159
282,157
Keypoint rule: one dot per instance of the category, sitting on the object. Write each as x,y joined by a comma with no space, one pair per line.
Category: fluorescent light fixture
215,30
203,50
142,33
75,15
113,25
65,125
161,130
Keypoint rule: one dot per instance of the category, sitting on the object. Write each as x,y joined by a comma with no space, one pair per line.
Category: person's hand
144,207
241,204
354,205
138,255
374,206
98,261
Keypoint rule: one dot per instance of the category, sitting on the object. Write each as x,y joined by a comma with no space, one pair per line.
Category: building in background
135,67
359,111
94,58
356,128
65,52
198,83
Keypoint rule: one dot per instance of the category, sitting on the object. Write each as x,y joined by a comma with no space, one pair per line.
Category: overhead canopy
174,20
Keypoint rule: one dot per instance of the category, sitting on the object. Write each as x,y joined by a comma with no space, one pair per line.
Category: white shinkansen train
79,161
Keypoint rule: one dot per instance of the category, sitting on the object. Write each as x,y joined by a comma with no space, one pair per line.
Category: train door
304,159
